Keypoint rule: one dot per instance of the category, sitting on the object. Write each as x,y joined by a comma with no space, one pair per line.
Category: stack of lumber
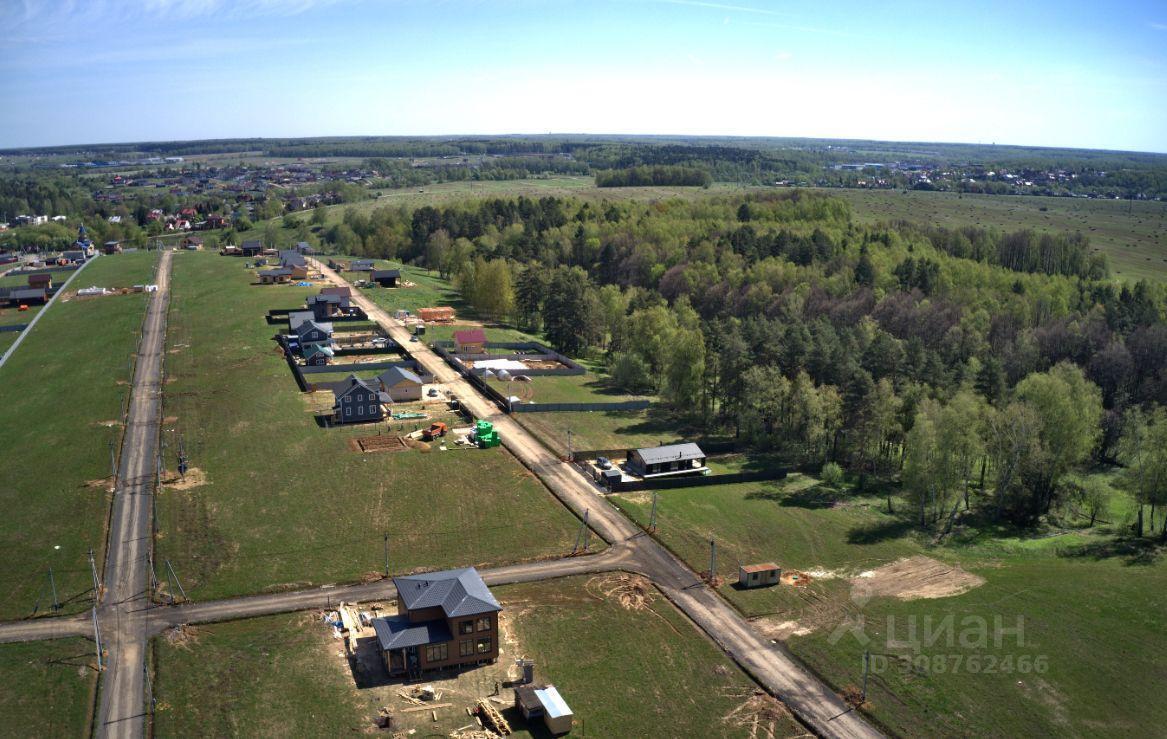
492,718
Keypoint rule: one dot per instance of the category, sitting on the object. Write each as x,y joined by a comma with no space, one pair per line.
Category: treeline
1024,250
656,175
778,318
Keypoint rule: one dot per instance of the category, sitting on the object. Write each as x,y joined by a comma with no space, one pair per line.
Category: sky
1031,72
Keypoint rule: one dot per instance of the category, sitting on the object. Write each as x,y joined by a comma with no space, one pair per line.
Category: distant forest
721,159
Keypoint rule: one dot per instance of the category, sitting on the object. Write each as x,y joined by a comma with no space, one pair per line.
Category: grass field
1083,601
589,388
64,391
48,687
600,429
643,673
1133,235
288,504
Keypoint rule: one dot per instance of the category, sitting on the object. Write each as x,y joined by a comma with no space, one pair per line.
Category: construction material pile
491,718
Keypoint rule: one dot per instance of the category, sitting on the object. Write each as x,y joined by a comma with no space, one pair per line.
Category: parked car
604,463
413,338
433,393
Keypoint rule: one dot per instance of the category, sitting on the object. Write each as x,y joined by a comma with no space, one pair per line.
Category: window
465,627
348,410
484,623
436,653
466,647
483,645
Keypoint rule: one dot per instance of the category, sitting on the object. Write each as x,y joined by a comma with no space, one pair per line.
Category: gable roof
296,317
27,292
670,453
343,291
394,375
278,272
457,592
304,327
354,382
379,274
252,244
470,336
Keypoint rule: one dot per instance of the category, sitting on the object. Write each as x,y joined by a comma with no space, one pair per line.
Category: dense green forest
980,369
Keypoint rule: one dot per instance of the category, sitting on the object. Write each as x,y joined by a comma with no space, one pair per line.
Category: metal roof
470,336
458,592
764,567
670,453
394,375
553,704
377,274
397,632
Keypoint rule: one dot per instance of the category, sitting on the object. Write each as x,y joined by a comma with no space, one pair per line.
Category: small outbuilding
385,277
400,384
759,575
471,341
251,248
42,280
673,459
361,265
544,701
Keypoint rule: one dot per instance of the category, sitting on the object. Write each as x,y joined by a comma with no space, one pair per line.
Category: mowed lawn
64,391
1090,611
1133,235
48,687
643,673
287,503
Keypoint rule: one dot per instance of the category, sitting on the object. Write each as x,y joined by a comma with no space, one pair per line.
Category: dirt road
123,606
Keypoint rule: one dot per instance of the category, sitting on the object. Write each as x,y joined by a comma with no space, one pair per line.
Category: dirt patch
105,483
777,629
915,577
759,714
795,578
183,637
1041,691
632,592
108,424
382,443
193,478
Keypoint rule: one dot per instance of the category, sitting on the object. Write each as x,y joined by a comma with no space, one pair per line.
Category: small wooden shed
759,575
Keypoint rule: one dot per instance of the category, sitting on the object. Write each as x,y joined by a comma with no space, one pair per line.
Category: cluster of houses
293,265
37,292
381,277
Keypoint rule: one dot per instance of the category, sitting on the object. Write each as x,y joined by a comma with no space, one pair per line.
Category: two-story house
358,401
444,619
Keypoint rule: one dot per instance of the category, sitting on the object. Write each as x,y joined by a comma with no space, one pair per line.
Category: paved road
771,665
122,609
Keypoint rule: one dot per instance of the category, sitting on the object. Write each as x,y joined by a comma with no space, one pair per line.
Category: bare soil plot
915,577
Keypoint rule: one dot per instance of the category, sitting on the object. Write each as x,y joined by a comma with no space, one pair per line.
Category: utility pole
97,640
652,514
96,582
53,584
172,574
569,459
386,554
113,461
712,560
582,537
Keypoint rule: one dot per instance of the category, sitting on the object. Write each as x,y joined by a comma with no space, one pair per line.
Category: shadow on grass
1132,550
813,498
875,533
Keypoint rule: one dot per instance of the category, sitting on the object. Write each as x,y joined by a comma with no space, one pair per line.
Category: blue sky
1067,73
